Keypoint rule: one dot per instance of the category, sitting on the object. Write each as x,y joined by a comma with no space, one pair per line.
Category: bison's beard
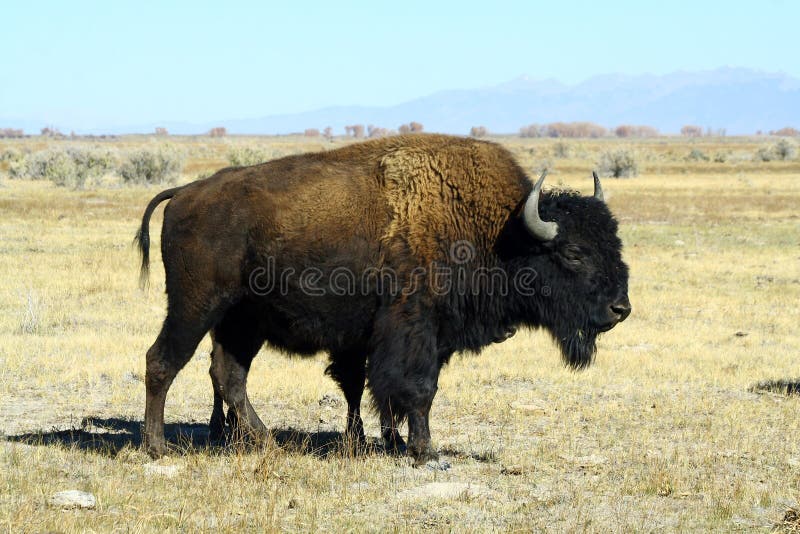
578,347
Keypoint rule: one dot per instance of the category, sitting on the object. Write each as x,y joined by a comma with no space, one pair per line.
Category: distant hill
741,101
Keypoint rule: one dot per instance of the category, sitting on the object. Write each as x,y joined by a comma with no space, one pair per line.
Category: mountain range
740,101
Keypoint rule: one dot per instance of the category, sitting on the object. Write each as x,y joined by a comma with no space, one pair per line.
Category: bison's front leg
390,421
347,369
404,372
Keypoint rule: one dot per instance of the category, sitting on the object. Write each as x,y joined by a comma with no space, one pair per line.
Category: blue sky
80,64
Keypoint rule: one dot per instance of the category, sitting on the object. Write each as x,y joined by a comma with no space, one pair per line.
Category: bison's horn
543,230
598,189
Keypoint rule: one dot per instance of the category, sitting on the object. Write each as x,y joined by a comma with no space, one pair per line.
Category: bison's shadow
781,387
109,436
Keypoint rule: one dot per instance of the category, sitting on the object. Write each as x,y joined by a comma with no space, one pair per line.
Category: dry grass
662,433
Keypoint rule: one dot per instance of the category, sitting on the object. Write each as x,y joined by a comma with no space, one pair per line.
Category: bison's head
581,282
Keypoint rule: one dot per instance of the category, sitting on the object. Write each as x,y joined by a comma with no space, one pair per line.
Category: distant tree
162,132
692,131
786,131
50,131
532,130
11,133
219,131
574,129
355,130
311,132
328,133
411,127
478,131
376,131
630,130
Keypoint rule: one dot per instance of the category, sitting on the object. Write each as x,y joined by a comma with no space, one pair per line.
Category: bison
390,255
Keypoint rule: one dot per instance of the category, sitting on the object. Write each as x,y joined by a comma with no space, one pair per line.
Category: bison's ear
541,230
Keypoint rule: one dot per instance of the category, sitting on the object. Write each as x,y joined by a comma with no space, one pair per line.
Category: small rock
293,503
528,408
438,465
585,461
445,490
741,333
130,376
161,470
512,470
330,400
72,499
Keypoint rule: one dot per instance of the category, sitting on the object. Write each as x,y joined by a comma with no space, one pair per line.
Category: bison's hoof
355,443
427,454
394,444
156,449
216,431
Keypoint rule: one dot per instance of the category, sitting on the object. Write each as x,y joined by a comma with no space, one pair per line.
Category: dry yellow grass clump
662,433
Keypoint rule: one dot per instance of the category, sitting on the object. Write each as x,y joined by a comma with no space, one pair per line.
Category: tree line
554,129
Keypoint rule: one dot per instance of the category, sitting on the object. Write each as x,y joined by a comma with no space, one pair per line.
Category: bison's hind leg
174,347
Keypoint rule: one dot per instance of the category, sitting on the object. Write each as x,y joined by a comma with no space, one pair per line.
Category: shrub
783,150
17,163
161,132
151,167
763,154
72,167
561,150
219,131
618,164
9,154
697,155
311,132
243,156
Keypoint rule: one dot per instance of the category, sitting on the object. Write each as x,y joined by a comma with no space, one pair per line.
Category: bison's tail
143,234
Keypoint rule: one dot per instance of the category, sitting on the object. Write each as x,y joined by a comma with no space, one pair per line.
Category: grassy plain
662,433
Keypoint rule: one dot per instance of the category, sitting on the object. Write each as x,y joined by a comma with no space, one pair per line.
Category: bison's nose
622,309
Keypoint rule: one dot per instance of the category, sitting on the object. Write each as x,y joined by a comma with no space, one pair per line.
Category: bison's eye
572,256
